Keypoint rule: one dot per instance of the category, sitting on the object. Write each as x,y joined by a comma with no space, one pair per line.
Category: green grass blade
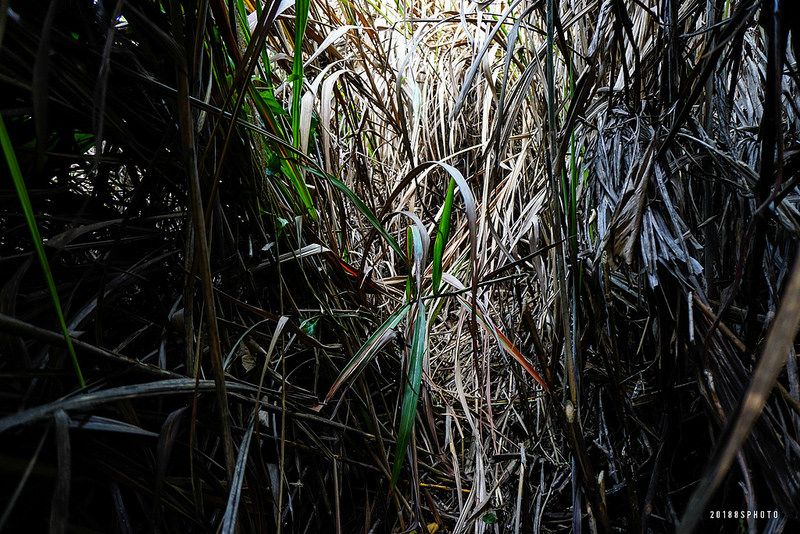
301,19
30,220
471,210
289,165
410,285
296,177
368,350
412,389
290,168
241,12
442,233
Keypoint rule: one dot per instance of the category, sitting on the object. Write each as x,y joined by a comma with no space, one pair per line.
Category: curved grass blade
412,389
470,206
376,341
30,220
232,352
422,240
106,424
84,401
418,244
476,63
471,209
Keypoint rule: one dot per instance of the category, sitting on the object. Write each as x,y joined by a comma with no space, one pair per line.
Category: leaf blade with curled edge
418,244
368,350
412,389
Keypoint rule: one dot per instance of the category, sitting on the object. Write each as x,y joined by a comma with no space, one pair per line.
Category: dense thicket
343,266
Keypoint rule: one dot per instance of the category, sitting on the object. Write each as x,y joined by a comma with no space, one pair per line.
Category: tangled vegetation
346,266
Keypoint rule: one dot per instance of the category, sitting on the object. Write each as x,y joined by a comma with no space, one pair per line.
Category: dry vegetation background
346,266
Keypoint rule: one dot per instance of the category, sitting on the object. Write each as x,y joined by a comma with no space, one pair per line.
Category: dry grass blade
164,387
367,212
229,519
595,246
485,321
106,424
59,509
203,257
778,344
473,70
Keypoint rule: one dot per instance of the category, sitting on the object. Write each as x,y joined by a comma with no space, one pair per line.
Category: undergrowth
350,266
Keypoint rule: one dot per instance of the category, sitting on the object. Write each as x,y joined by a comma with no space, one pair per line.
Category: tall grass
441,266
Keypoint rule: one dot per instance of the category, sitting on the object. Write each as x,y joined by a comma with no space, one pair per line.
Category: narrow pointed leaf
30,220
442,234
376,341
301,19
411,393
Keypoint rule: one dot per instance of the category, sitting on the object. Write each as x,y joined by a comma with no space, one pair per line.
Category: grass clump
344,266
